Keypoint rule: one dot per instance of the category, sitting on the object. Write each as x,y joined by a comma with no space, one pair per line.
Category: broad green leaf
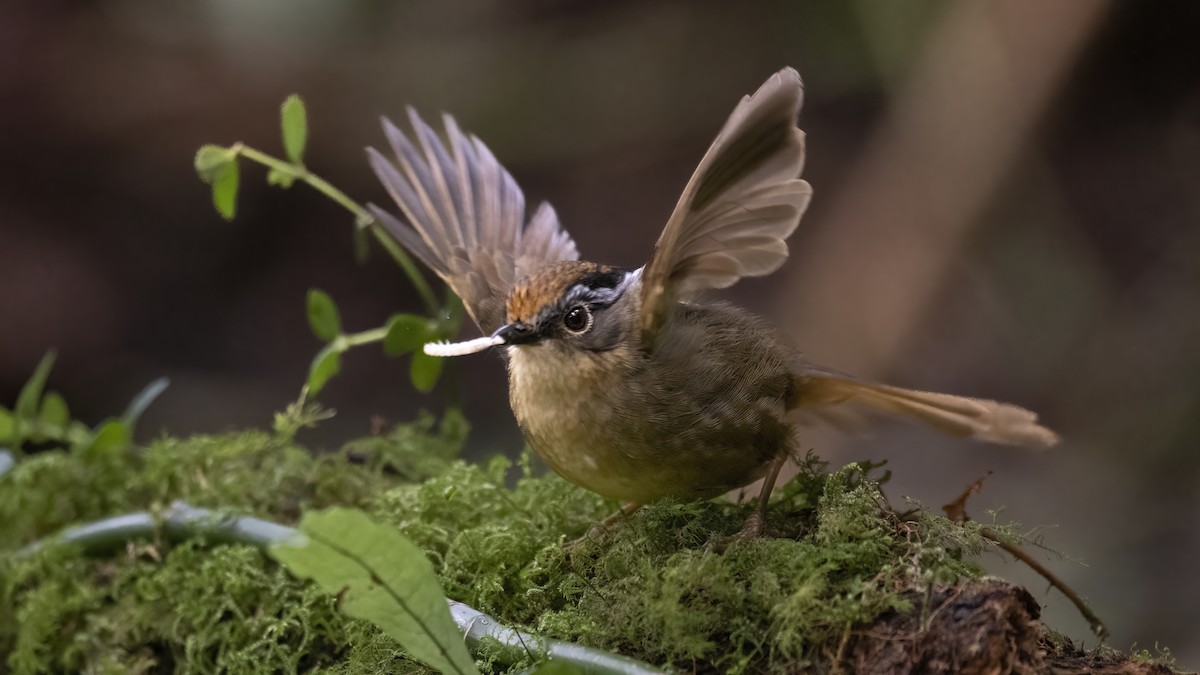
212,160
111,435
382,577
282,179
325,365
31,393
224,190
323,315
425,371
144,398
54,412
294,122
6,426
406,333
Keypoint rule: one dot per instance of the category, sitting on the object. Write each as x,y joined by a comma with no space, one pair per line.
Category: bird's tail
978,418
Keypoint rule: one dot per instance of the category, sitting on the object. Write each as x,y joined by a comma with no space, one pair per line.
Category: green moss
651,588
193,607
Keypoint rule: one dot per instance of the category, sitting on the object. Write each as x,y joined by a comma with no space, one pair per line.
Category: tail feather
963,416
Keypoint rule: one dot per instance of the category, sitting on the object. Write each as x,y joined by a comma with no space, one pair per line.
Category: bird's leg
753,527
598,530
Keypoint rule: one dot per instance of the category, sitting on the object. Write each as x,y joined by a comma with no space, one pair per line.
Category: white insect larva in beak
462,348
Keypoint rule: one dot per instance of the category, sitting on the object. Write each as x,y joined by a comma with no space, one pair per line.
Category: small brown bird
625,381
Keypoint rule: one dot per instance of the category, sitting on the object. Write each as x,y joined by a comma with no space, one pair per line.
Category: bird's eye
578,320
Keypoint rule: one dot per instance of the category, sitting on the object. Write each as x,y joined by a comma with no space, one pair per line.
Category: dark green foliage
218,166
45,420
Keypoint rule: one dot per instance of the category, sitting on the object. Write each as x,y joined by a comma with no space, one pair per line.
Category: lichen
655,587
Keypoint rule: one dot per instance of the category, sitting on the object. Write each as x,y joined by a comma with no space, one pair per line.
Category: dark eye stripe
596,290
609,277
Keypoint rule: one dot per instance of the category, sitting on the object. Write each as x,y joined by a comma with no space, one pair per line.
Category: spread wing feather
464,215
742,203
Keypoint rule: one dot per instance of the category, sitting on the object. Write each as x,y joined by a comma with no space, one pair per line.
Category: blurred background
1007,205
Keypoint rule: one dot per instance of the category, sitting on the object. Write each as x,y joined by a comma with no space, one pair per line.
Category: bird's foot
752,529
597,531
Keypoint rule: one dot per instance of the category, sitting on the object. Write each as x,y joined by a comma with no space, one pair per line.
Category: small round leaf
211,160
294,122
6,426
327,363
112,435
54,412
78,435
224,190
405,333
425,371
323,315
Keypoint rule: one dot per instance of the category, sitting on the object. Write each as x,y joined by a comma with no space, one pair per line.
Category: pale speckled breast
564,401
565,423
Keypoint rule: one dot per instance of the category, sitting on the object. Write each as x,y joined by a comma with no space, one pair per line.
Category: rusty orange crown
544,287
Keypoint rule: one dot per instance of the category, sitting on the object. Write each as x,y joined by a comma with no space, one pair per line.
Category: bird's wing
464,216
739,207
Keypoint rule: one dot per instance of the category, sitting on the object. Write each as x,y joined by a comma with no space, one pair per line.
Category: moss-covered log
847,584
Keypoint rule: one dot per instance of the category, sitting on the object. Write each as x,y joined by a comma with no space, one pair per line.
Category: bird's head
572,304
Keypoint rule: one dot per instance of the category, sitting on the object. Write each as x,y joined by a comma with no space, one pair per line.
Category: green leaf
7,426
212,160
54,412
323,315
279,178
31,393
112,435
382,577
78,435
224,190
425,371
325,365
406,333
294,121
143,400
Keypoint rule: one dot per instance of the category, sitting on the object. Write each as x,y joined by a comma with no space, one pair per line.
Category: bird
634,383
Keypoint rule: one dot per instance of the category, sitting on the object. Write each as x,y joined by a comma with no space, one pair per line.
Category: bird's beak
516,333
